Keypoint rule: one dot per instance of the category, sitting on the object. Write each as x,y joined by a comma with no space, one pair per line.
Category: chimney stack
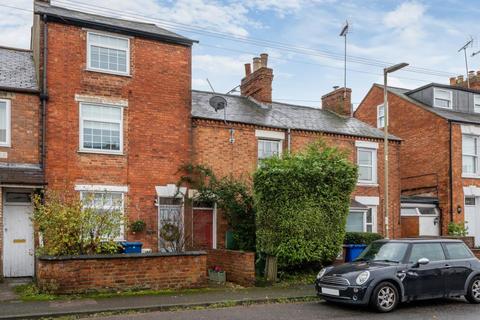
258,82
338,101
461,81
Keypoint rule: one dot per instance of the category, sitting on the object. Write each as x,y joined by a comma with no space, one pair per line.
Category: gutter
44,93
22,90
450,171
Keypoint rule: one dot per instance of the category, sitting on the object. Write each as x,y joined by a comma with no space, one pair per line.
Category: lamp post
386,71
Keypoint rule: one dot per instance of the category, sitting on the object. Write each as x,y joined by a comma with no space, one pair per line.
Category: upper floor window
4,123
101,128
442,98
470,153
476,103
380,116
108,53
268,148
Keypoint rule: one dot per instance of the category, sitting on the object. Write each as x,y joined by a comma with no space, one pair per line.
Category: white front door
18,245
471,219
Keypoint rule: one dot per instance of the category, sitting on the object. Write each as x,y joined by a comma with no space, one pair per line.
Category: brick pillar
258,84
338,101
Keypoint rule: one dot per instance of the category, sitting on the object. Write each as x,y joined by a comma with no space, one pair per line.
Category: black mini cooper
391,271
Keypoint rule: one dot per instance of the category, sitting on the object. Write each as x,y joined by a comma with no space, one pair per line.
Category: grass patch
30,292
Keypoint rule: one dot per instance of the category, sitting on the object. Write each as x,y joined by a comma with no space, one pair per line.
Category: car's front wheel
384,297
473,292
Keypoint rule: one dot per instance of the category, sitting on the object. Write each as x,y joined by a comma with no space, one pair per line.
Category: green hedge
361,237
302,203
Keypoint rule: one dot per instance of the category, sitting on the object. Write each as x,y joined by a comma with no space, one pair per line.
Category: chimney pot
471,74
460,78
453,81
248,69
256,63
264,59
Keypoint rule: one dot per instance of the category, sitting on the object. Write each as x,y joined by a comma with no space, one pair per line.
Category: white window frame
435,90
127,56
81,120
361,147
476,101
83,189
475,174
271,136
365,223
379,125
8,109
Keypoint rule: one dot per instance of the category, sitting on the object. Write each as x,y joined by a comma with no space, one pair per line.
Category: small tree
302,203
69,226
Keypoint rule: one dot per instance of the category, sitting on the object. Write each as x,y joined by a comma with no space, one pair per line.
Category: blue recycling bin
353,251
132,247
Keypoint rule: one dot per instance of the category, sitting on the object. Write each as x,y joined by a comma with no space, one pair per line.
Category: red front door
202,228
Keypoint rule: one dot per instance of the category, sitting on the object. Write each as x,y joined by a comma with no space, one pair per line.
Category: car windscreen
384,251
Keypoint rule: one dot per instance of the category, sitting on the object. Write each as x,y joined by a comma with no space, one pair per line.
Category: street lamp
386,71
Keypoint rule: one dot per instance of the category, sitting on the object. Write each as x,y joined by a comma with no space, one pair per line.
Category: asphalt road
437,310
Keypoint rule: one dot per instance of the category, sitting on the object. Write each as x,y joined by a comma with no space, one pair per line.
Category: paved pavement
22,310
425,310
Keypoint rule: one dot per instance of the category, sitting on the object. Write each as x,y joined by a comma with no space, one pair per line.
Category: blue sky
426,34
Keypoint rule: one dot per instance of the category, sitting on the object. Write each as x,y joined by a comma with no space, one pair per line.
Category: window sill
113,73
5,145
101,152
466,176
366,184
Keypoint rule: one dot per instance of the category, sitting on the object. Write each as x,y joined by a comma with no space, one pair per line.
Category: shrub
138,226
69,226
457,229
302,204
361,237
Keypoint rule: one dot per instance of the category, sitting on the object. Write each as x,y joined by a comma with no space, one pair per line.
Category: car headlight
363,277
321,273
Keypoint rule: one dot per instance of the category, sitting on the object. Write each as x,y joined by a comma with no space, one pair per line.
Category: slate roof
137,28
456,116
17,70
280,115
25,175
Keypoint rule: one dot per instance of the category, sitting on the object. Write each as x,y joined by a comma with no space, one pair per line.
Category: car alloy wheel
473,294
385,297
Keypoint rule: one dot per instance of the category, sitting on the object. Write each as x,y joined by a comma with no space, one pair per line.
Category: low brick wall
78,274
238,265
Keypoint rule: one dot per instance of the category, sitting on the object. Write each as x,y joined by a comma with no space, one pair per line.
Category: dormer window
442,98
476,103
107,53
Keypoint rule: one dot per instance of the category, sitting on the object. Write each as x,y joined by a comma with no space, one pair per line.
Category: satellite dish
218,102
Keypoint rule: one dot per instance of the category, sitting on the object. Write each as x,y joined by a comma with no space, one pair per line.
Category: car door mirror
421,262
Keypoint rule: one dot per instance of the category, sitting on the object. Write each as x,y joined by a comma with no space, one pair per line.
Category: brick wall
211,147
156,124
122,272
425,151
238,265
25,132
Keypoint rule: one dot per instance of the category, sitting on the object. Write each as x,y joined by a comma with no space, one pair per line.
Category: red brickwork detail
25,128
258,85
238,265
157,134
211,147
123,273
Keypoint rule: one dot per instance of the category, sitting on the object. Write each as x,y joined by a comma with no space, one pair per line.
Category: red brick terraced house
20,159
440,177
252,127
103,107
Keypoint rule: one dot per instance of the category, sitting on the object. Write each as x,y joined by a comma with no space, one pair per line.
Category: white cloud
407,19
216,64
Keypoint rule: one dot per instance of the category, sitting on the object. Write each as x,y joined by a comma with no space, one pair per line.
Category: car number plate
332,292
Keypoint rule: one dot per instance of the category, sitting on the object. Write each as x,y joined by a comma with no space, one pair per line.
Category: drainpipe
289,140
450,170
44,93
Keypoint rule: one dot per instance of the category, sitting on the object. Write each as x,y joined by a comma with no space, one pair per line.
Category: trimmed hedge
361,237
302,203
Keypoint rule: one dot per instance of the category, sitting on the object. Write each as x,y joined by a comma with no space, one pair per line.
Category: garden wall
77,274
238,265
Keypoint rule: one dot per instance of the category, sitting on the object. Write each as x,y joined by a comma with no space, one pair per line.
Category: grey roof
111,24
280,115
456,116
17,70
